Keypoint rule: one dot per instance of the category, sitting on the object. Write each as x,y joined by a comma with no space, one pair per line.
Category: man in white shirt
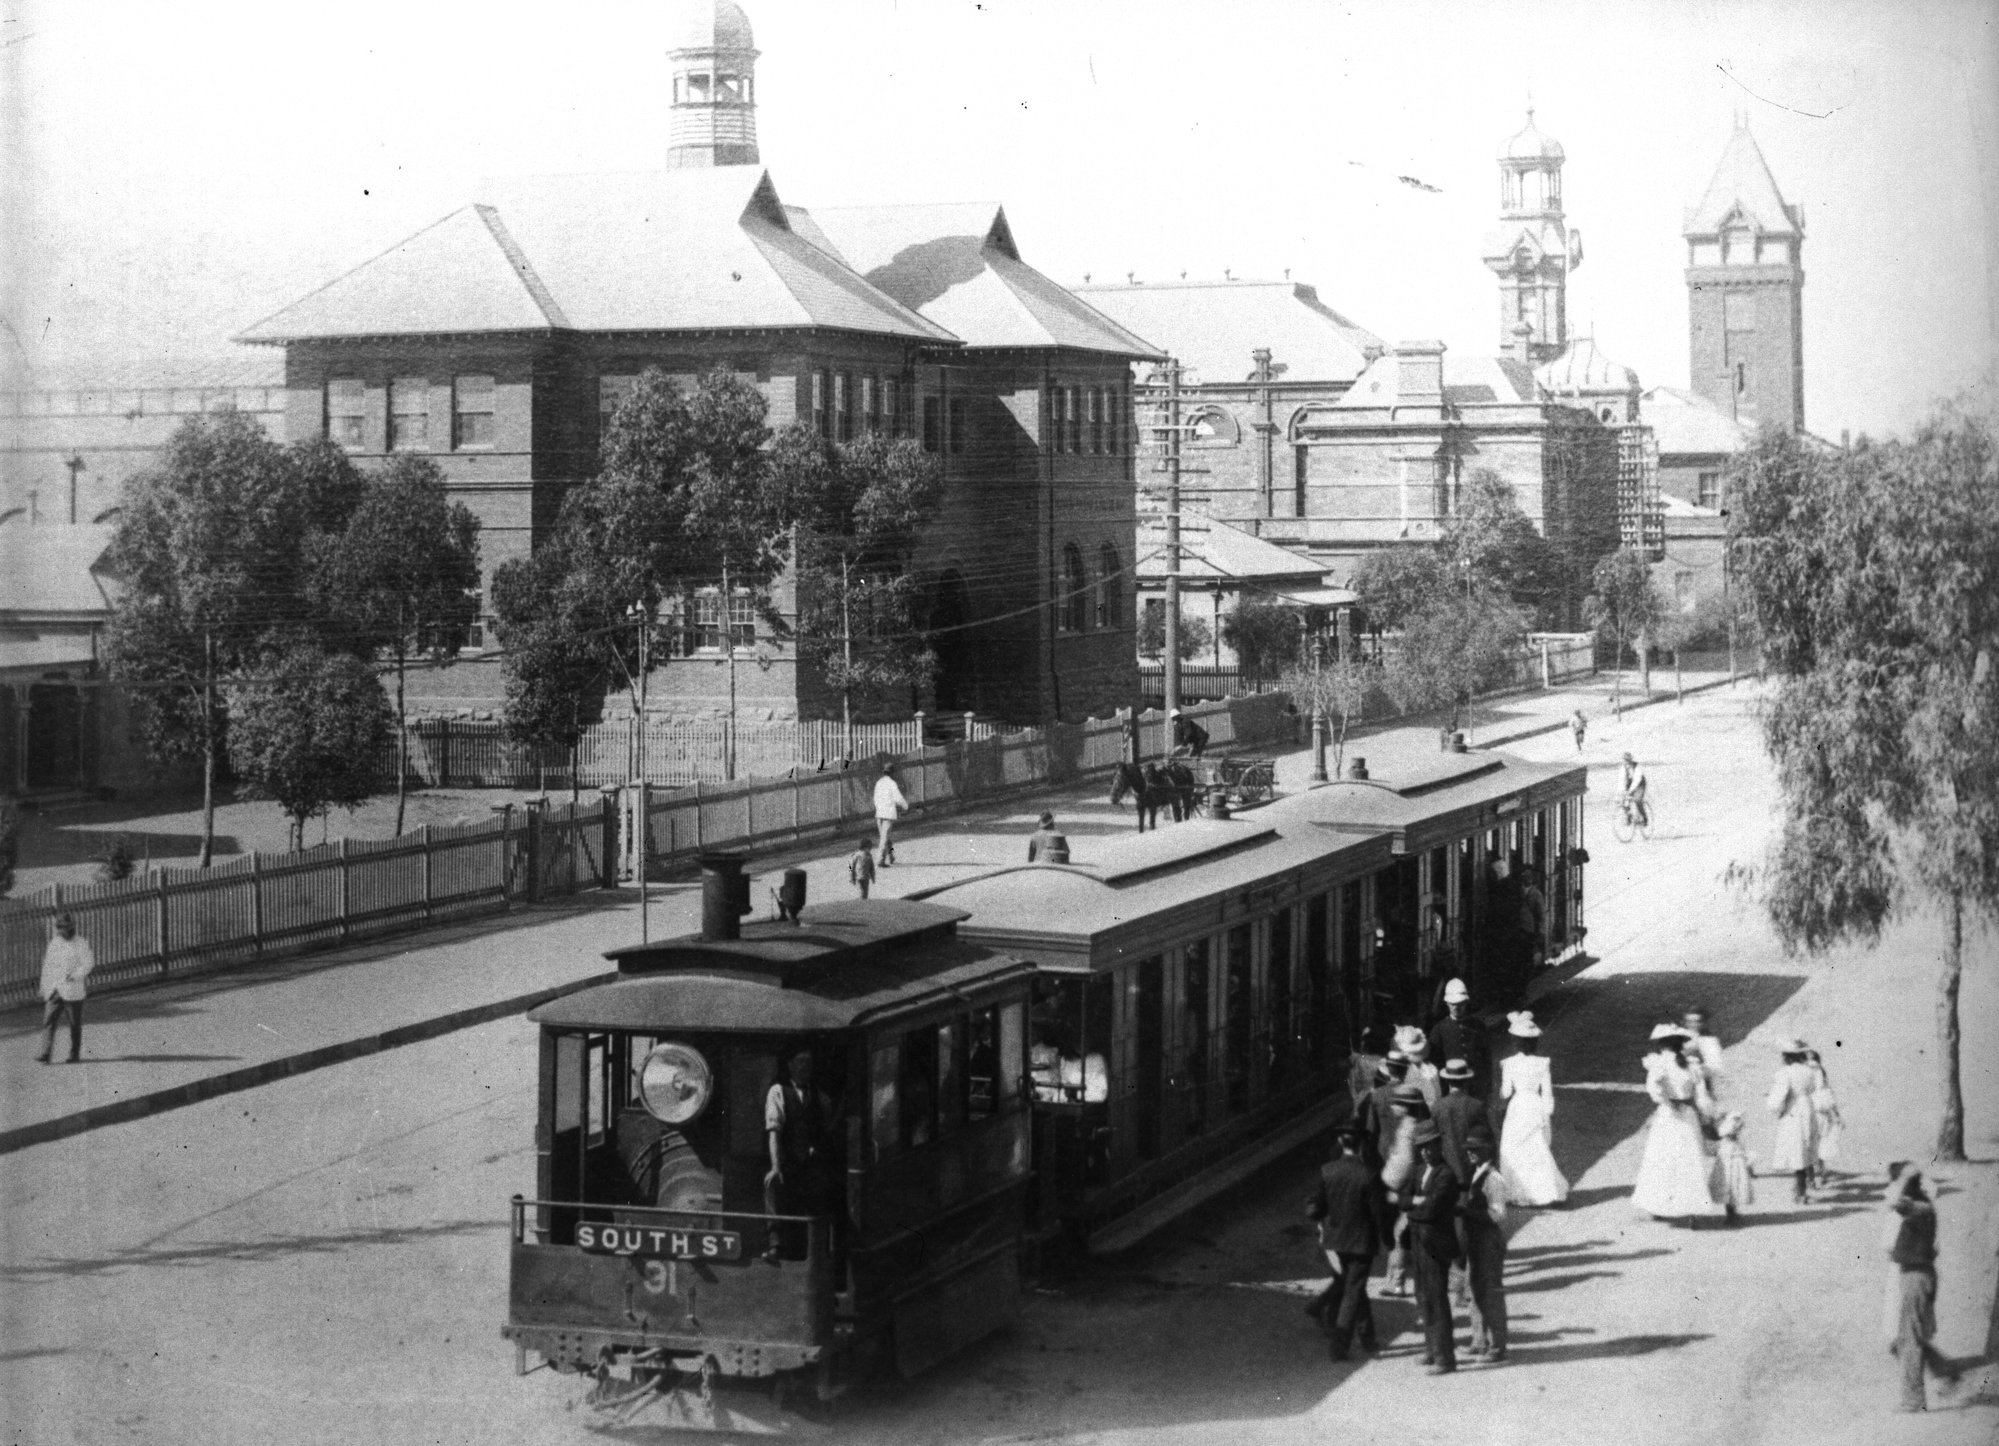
65,965
889,806
1635,784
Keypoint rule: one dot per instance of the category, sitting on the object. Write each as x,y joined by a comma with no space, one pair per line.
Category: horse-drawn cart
1229,782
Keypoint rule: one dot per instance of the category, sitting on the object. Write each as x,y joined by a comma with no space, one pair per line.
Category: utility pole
75,464
1172,439
729,652
641,615
1266,427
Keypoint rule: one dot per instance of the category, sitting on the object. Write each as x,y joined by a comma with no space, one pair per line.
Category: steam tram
1078,1052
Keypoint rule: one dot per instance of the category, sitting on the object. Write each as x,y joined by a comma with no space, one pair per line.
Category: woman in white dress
1672,1174
1825,1112
1526,1157
1792,1094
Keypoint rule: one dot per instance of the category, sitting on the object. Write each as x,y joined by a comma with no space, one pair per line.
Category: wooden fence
177,920
476,753
1547,659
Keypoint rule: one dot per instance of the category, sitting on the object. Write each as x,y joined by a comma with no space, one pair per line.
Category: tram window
1072,1030
1013,1039
919,1086
568,1082
884,1070
751,1074
1318,994
950,1078
982,1065
596,1070
1282,1033
1195,1043
1239,1022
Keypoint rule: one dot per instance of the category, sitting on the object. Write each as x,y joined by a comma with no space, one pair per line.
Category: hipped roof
683,250
1212,327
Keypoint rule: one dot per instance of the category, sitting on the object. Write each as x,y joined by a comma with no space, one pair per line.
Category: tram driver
802,1131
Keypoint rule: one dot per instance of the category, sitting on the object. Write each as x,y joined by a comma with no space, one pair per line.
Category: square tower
1745,292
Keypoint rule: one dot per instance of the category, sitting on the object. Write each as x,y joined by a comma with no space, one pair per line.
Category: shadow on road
275,1247
1601,1350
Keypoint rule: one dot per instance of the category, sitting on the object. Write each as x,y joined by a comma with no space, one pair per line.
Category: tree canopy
1874,577
308,728
1264,633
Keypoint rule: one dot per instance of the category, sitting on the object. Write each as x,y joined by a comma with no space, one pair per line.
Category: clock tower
1745,291
1533,249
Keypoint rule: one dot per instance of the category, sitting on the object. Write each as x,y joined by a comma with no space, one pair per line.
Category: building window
346,411
409,414
611,394
955,421
1074,613
475,631
933,438
472,414
822,419
843,405
1114,420
1072,414
1110,588
1709,494
742,622
1096,413
891,406
871,404
1301,475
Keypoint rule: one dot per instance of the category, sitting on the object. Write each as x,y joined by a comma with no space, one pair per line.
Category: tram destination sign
658,1242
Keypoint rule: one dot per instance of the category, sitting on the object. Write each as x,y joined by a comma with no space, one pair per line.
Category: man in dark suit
1457,1115
1483,1210
1431,1202
1460,1034
1348,1205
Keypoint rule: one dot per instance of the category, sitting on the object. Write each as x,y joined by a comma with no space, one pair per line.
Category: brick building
499,340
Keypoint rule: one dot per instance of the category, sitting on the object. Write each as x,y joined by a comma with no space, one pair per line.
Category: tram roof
845,964
1140,884
1424,802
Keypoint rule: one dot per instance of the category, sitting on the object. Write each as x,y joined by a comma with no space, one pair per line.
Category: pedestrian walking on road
861,867
1415,1047
1911,1239
1461,1035
1526,1136
1483,1211
890,805
1458,1115
1825,1115
1349,1206
1578,725
1702,1046
66,964
1047,846
1730,1180
1430,1201
1795,1152
1673,1173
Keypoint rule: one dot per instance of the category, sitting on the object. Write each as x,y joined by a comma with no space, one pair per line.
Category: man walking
1578,725
1431,1203
1046,845
1483,1211
1461,1035
889,806
66,963
1457,1115
1912,1287
1348,1207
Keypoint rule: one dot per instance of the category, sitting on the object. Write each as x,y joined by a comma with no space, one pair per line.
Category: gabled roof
683,250
1213,326
48,571
1213,549
1743,183
957,264
1687,424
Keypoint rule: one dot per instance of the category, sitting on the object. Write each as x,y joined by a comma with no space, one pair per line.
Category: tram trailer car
1200,988
652,1254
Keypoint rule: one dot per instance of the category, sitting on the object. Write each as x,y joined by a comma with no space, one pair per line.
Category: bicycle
1634,819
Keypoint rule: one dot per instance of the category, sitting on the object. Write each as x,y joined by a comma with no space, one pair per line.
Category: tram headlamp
674,1083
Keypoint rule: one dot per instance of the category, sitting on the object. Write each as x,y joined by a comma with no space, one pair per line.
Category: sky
174,172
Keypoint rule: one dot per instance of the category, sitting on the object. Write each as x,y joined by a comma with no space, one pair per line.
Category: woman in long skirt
1673,1172
1526,1156
1795,1151
1825,1115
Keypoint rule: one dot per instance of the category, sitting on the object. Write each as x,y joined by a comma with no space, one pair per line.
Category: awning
1321,597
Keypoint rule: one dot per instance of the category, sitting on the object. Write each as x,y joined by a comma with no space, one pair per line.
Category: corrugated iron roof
682,250
1687,424
1217,550
958,265
50,569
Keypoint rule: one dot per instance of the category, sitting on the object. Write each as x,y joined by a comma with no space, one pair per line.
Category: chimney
1357,768
725,895
1521,348
1419,373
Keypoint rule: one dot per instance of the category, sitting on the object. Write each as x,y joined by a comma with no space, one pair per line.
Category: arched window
1074,611
1110,589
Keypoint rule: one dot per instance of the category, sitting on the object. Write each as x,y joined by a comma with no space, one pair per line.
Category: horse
1152,788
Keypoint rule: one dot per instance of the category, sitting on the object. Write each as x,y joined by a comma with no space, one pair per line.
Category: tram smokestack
1357,769
725,895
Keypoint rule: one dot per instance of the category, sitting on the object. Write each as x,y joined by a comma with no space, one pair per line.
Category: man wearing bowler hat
1348,1205
1431,1203
1457,1115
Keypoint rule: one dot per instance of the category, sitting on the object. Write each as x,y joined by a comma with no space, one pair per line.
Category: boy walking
65,965
861,867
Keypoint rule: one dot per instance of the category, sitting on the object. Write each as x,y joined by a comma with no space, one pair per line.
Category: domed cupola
713,55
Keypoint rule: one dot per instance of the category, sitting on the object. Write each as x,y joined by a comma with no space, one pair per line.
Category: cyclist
1634,792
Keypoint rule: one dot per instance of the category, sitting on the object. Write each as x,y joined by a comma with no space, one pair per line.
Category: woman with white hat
1415,1047
1672,1174
1526,1088
1795,1151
